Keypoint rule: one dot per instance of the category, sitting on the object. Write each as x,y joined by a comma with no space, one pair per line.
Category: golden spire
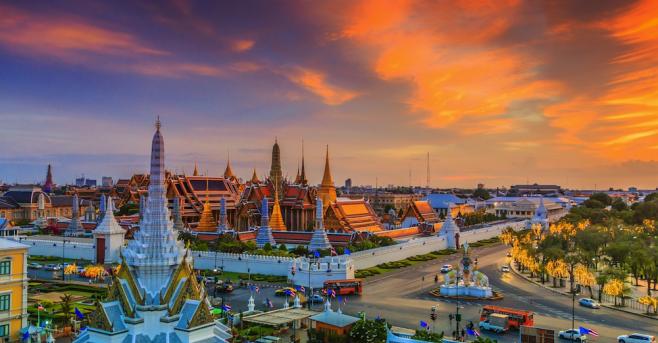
228,173
207,221
196,169
326,179
276,219
327,190
254,178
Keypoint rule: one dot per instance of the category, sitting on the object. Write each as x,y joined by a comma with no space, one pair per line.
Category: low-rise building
13,289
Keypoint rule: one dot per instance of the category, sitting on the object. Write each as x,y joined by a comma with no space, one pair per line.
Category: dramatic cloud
497,91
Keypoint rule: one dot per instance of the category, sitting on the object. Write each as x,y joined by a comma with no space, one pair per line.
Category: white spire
155,252
109,223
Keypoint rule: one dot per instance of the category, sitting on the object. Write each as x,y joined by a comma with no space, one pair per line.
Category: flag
316,253
269,303
26,335
344,300
79,314
423,324
340,299
257,289
226,308
324,291
301,289
347,251
333,252
332,293
287,292
40,307
472,332
586,331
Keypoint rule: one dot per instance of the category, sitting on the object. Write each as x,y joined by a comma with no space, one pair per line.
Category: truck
495,322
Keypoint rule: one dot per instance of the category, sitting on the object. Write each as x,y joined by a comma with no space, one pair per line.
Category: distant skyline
499,93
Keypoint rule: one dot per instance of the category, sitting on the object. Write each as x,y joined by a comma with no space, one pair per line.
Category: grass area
236,277
54,259
254,332
389,266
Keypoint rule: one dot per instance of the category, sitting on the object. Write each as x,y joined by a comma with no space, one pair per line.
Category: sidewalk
565,292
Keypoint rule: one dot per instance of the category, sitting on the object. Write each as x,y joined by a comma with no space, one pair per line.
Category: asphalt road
402,298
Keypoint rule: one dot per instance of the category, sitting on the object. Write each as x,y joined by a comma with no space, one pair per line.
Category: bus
516,317
345,287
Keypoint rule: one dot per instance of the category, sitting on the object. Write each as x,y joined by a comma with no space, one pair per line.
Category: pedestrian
454,334
450,316
463,333
436,278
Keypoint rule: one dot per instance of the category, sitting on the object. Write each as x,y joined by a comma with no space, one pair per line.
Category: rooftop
9,244
280,316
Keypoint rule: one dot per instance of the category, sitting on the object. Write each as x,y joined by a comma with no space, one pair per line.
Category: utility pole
427,184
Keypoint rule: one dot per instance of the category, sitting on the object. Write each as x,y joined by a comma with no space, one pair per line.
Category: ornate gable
201,316
98,319
125,274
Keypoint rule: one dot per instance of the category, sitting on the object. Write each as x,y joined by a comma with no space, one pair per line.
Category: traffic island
494,296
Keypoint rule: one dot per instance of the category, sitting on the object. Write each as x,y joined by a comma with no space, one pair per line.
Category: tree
593,203
481,339
482,193
65,305
368,331
651,197
602,197
619,205
428,336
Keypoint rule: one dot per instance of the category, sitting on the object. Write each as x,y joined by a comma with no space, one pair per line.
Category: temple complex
154,296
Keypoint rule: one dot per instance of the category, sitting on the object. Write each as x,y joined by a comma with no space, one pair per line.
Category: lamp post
457,316
64,241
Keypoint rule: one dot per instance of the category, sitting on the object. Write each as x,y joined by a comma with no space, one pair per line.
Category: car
282,291
587,302
317,298
34,265
81,269
636,338
572,335
52,267
446,268
504,269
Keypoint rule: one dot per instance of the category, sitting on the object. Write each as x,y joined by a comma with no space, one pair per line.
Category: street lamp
64,241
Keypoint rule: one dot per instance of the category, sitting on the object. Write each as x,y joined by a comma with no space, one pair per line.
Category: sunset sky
497,92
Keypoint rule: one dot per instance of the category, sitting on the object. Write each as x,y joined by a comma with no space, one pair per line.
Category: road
402,298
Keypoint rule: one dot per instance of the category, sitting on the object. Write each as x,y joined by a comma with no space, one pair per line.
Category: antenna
427,185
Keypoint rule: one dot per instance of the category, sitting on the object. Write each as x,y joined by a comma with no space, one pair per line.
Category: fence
630,303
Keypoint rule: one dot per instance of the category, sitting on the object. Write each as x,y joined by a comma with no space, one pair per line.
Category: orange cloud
242,45
316,83
67,39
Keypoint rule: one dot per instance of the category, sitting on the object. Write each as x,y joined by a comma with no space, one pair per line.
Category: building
351,215
333,322
276,173
523,207
108,237
20,204
441,202
90,182
13,289
155,296
80,181
348,185
383,202
534,189
49,185
419,212
106,181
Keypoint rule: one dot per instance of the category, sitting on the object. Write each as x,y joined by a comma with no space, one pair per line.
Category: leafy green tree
65,305
428,336
128,209
651,197
619,205
593,203
368,331
482,193
605,199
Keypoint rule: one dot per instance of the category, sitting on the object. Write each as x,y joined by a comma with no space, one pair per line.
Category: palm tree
65,304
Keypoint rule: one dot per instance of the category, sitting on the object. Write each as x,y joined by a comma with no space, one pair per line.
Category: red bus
345,287
516,317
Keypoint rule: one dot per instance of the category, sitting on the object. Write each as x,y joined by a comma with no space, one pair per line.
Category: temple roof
326,177
353,215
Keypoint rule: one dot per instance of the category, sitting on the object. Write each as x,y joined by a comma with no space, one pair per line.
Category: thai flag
269,303
586,331
332,293
226,308
40,307
333,252
472,332
324,291
257,289
301,289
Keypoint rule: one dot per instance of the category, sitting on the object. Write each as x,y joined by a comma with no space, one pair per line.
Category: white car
572,335
636,338
504,269
446,268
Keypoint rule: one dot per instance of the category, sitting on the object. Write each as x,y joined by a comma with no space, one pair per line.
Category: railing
630,303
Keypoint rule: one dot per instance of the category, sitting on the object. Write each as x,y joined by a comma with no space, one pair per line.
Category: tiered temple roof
352,215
